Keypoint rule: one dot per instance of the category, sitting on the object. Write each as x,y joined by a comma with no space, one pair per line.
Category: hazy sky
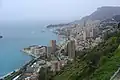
50,9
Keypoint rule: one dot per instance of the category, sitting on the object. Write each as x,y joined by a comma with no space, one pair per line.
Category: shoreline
17,70
2,77
34,57
29,53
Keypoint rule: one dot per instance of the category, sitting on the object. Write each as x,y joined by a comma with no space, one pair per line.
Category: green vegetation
99,63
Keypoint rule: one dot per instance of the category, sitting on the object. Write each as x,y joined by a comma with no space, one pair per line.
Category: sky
15,10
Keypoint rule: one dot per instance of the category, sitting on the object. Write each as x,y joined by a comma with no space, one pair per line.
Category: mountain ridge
101,13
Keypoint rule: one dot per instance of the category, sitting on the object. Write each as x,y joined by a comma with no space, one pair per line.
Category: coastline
1,77
16,70
34,57
22,68
24,65
62,38
29,53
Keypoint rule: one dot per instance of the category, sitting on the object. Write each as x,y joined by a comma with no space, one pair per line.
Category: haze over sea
16,36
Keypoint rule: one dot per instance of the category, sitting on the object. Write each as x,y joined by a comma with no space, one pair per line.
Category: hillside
99,63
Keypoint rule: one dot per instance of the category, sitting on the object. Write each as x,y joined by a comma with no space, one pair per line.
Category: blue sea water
15,38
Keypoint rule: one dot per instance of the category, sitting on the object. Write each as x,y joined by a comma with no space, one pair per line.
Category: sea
15,38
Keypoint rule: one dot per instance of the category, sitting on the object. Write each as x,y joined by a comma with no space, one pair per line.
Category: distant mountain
101,13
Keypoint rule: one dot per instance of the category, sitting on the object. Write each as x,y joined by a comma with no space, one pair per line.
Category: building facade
71,48
53,45
49,51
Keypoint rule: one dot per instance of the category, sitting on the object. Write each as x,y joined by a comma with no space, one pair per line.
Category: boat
1,36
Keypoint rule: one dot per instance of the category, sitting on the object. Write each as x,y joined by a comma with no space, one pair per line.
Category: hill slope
99,63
